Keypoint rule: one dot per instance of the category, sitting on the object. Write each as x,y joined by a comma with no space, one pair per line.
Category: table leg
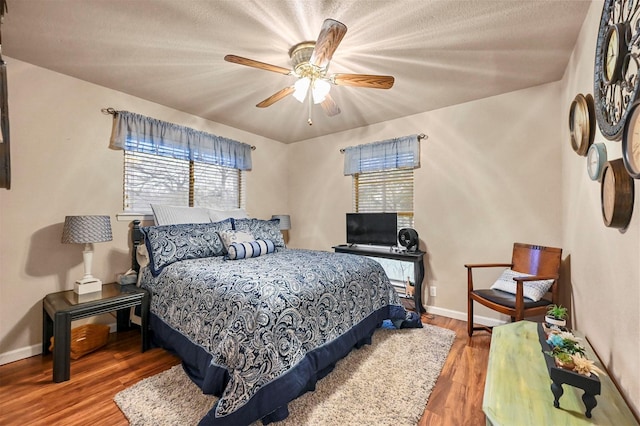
144,321
123,317
557,393
589,403
61,347
47,331
418,273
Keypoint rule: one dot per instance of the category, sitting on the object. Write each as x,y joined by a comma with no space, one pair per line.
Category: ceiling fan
310,60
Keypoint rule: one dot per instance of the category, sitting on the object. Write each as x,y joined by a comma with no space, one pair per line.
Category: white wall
61,165
605,270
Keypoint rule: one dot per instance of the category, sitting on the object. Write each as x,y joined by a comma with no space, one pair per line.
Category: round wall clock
631,142
581,123
616,81
616,195
596,160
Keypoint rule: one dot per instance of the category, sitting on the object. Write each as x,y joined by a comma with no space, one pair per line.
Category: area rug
385,383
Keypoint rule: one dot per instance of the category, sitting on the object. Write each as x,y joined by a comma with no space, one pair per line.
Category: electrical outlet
432,291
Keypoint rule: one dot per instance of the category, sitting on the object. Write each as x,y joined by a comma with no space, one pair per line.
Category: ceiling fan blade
256,64
329,106
276,97
328,40
363,80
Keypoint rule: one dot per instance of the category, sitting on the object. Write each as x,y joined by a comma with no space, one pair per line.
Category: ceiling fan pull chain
310,101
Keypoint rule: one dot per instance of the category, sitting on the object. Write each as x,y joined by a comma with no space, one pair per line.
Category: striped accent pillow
250,249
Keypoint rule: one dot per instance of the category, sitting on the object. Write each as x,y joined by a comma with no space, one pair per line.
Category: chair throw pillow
250,249
533,290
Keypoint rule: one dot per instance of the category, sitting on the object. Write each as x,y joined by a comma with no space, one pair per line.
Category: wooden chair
541,262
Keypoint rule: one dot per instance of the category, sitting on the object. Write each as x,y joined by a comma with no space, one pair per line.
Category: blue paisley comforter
265,329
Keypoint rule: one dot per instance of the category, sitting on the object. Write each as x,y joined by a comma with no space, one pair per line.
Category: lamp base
84,286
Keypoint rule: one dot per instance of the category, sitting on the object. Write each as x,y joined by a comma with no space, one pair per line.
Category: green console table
518,386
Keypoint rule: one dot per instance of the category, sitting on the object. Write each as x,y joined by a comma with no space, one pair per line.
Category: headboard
137,238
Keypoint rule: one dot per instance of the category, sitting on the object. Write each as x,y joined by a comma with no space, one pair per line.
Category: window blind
153,179
385,191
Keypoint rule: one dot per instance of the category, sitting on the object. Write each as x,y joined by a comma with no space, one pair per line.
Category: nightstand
59,309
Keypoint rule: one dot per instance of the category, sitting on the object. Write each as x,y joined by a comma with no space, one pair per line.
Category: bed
256,323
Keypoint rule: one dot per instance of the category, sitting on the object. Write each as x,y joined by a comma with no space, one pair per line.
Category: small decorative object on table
556,315
567,364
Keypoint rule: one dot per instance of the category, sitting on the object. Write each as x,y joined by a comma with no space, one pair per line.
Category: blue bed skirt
270,403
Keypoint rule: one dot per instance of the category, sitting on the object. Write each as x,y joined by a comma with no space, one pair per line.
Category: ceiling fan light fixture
310,63
320,90
302,87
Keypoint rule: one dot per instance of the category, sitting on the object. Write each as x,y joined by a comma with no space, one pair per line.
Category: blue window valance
135,132
397,153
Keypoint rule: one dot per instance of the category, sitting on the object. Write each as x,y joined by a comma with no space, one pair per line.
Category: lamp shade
320,90
86,229
301,88
285,221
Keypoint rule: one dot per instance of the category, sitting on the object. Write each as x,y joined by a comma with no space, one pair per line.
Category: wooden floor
29,397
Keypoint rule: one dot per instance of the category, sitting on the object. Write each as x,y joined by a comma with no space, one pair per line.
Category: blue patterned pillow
250,249
172,243
261,229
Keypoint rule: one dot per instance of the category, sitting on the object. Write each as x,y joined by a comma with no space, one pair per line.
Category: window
383,176
385,191
153,179
165,163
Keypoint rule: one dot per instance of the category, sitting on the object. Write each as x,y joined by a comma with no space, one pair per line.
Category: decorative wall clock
616,195
616,79
631,142
581,123
596,160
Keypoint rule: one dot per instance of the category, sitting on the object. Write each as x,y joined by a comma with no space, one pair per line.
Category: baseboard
462,316
21,353
33,350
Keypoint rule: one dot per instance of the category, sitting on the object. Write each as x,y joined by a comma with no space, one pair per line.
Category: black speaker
408,237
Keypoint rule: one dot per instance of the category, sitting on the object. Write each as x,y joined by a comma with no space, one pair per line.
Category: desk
518,386
59,309
416,257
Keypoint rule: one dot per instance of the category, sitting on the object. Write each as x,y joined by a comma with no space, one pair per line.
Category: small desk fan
408,237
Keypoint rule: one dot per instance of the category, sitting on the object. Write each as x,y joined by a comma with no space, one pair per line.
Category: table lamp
285,225
86,230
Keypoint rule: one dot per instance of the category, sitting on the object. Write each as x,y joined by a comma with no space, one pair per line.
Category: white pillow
174,215
218,215
533,290
230,237
142,255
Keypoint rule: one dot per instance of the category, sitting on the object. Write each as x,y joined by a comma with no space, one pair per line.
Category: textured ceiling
171,52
